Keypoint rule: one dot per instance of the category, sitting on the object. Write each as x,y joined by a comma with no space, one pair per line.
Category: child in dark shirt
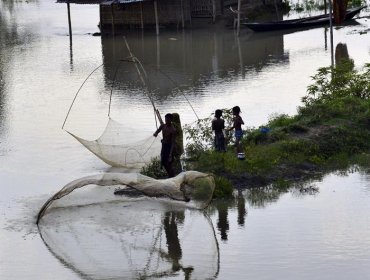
168,143
218,125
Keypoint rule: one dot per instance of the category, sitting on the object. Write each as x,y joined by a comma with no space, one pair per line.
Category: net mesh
114,146
138,234
140,240
193,187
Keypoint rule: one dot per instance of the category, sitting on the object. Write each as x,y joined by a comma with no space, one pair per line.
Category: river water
260,235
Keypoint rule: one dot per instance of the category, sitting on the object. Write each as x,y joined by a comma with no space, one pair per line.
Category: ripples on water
322,236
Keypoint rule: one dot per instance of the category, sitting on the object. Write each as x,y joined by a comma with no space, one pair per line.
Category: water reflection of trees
192,59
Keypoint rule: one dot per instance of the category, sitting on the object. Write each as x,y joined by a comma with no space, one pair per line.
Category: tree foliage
335,82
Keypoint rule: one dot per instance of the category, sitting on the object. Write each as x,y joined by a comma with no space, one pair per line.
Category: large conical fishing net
120,145
137,233
115,148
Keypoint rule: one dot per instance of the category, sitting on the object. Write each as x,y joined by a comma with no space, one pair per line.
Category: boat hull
297,23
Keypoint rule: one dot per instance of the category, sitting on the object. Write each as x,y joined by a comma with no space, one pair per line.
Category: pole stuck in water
331,32
238,24
69,22
156,17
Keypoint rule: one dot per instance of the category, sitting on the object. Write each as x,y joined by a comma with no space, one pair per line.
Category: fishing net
114,146
193,187
134,231
127,225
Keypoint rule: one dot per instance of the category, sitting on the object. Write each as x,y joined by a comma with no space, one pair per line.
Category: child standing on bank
237,125
218,125
168,144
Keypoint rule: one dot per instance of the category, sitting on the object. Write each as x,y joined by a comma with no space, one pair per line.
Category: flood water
259,235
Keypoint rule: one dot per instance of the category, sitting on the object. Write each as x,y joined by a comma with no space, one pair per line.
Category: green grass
331,131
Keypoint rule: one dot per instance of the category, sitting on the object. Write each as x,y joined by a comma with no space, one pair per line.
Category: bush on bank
330,131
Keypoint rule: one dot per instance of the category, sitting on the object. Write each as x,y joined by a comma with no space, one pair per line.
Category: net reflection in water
100,235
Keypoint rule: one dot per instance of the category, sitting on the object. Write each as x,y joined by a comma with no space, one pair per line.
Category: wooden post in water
112,15
325,7
69,23
158,53
331,33
182,14
156,17
141,15
240,58
189,5
238,23
214,10
100,18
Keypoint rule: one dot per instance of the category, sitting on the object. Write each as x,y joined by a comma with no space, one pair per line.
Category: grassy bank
331,131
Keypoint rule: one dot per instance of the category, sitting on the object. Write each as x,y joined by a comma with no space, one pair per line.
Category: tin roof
129,1
104,2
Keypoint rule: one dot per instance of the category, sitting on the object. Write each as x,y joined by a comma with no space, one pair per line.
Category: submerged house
144,13
127,14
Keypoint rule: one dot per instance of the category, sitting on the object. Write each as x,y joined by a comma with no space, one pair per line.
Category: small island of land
330,132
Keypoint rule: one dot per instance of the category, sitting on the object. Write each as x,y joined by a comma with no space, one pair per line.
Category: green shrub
224,188
280,120
330,130
154,169
281,184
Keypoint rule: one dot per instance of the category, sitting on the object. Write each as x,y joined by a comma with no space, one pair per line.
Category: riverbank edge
329,133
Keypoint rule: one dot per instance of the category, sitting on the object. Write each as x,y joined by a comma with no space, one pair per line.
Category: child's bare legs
238,146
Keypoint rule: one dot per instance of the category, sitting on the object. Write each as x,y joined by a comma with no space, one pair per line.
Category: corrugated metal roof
87,2
129,1
108,2
103,2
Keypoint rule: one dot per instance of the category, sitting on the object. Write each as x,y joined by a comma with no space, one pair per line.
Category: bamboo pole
158,53
71,55
331,33
100,18
141,15
112,15
69,22
156,17
240,57
238,23
137,63
277,10
214,10
182,14
190,21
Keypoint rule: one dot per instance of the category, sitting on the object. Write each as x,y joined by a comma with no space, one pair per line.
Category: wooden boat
319,20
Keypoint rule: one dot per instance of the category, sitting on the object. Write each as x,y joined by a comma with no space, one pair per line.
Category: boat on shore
319,20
